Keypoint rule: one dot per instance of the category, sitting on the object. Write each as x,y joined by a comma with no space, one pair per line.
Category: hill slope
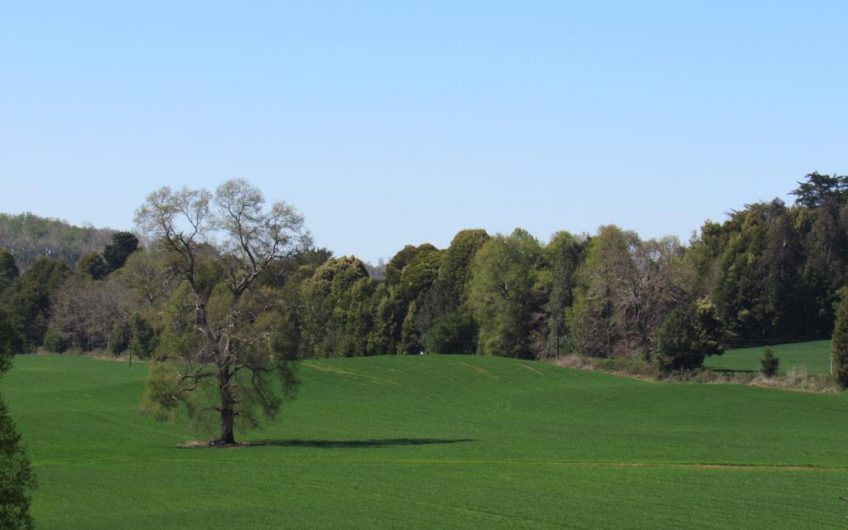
438,441
29,236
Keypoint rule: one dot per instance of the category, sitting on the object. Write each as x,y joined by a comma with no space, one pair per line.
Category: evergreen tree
818,188
8,269
142,340
119,337
116,254
337,313
839,346
16,476
444,316
769,363
93,266
687,335
29,301
409,275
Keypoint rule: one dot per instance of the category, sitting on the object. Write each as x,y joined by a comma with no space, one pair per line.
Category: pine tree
769,363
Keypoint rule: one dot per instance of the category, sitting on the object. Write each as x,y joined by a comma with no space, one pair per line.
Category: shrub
769,363
687,336
119,337
54,342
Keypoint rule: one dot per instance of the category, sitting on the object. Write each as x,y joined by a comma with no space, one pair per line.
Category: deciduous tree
505,294
602,316
220,346
84,312
564,254
337,314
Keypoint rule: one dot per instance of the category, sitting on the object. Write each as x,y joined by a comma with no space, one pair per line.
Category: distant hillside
29,236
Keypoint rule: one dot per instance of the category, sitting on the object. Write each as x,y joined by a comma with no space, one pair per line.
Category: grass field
439,442
812,357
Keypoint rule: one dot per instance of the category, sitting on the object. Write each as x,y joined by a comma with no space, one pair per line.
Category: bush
636,366
687,336
55,343
769,363
119,337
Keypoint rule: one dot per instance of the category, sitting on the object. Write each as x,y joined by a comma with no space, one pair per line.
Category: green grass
813,357
438,442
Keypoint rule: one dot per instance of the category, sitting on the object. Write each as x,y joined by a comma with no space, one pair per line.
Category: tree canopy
220,343
29,237
770,272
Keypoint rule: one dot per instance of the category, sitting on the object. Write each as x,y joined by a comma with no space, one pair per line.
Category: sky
391,122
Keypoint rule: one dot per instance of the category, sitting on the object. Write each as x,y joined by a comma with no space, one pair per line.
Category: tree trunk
227,436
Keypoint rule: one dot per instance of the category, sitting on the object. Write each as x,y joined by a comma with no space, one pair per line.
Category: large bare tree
220,354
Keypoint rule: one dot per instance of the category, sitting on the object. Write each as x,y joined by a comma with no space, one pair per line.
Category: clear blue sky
389,123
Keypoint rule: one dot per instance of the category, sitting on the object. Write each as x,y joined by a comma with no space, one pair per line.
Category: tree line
770,272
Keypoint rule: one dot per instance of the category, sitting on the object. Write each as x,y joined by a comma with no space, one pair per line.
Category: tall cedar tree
29,301
16,477
116,254
8,269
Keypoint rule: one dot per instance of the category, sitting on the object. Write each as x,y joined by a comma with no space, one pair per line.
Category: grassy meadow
810,357
438,442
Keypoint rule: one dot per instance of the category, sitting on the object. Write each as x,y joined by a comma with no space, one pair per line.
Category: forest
768,273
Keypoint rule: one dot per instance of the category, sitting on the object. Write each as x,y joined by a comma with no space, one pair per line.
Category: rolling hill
438,441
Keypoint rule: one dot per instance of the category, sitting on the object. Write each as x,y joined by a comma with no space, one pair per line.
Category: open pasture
810,357
440,442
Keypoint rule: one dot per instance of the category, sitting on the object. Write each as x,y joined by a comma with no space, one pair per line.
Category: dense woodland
29,237
770,272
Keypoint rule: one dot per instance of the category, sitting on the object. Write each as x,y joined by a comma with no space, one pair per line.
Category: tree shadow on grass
732,371
356,444
334,444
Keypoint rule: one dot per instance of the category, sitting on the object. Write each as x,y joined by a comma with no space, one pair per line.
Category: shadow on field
732,371
356,444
